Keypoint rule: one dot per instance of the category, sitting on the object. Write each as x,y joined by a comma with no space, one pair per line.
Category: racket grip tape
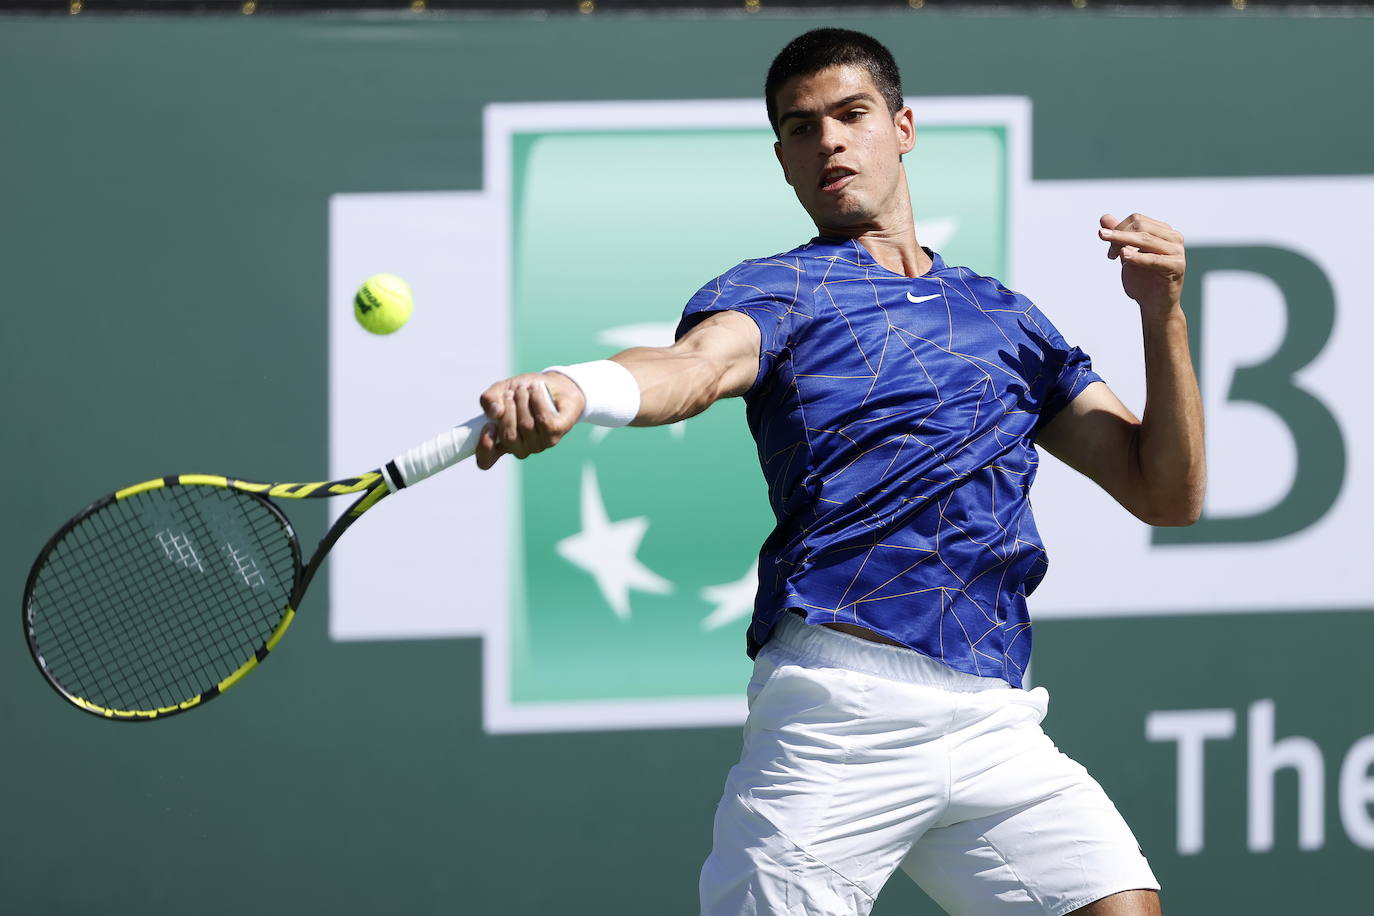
429,458
443,451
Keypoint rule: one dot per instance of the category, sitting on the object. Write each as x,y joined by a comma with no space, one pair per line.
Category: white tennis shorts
860,758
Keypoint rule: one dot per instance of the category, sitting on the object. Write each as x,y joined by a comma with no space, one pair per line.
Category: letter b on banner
1310,307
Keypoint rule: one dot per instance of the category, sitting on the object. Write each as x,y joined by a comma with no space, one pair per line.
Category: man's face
840,150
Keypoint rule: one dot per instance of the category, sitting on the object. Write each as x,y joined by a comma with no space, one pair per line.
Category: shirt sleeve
1066,370
766,291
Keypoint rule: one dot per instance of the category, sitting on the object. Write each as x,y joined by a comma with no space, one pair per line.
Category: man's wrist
1163,316
608,388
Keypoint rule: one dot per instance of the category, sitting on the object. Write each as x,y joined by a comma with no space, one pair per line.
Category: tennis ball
383,304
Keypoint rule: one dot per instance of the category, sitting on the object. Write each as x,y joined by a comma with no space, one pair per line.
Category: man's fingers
1145,241
524,419
1139,222
488,449
1153,226
1107,222
525,430
1147,259
506,430
493,400
541,405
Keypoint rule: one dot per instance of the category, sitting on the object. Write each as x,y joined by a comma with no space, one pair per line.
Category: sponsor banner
1219,767
611,579
636,549
430,562
1279,317
628,569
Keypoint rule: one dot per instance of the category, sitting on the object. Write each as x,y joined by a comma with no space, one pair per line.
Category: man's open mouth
836,177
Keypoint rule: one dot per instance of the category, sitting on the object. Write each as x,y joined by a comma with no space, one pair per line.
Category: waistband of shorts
818,644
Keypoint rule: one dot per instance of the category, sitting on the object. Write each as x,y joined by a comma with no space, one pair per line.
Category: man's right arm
718,358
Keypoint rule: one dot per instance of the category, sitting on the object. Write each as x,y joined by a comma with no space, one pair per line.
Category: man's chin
838,214
845,225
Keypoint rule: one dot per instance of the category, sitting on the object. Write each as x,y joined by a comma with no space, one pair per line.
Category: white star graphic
733,600
936,233
607,550
648,334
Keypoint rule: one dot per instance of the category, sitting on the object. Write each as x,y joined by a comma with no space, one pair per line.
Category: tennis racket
159,597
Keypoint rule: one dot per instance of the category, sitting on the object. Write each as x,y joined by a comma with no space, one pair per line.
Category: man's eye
799,129
854,113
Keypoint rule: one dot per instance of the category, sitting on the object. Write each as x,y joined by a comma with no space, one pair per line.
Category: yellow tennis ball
383,304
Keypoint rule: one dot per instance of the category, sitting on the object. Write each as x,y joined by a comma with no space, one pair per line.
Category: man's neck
891,238
898,252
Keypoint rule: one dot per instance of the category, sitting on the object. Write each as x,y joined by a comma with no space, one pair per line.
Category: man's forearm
672,386
1169,443
647,386
718,358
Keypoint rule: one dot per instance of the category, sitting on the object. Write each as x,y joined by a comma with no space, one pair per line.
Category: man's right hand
522,419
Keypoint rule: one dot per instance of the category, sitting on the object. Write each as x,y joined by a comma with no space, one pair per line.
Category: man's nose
831,137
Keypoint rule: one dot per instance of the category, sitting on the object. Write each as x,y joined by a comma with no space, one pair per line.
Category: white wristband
611,392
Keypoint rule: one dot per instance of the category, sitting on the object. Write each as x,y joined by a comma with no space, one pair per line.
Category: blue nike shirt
895,418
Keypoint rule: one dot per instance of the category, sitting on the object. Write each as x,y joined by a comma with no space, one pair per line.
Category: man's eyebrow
810,112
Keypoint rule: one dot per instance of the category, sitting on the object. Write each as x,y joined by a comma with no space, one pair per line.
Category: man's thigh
1126,903
819,811
1053,856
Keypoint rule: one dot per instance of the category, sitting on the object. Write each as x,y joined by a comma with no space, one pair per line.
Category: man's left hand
1152,260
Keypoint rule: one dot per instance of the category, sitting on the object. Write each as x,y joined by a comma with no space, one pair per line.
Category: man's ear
905,123
777,151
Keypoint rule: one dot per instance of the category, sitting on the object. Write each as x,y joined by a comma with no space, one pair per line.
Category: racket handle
443,451
429,458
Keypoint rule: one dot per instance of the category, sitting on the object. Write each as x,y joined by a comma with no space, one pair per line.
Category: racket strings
127,660
94,646
153,599
185,635
166,652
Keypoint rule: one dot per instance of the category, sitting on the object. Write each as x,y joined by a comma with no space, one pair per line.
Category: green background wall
163,237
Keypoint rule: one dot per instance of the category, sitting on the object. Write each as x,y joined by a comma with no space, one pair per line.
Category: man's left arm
1155,466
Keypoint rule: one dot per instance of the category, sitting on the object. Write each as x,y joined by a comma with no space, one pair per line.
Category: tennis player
896,402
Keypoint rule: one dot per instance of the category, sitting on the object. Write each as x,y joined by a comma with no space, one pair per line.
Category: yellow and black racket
162,595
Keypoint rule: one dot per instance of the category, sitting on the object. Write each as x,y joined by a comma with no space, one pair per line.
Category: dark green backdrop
163,234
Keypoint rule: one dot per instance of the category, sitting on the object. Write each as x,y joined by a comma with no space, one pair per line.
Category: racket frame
373,485
407,469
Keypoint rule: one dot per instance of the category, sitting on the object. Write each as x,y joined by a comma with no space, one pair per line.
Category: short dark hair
820,49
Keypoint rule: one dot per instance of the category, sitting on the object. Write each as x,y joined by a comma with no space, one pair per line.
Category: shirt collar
853,248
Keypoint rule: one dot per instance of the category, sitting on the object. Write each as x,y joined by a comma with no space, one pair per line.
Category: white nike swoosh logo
924,298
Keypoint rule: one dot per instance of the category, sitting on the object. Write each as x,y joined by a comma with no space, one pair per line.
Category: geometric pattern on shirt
896,438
